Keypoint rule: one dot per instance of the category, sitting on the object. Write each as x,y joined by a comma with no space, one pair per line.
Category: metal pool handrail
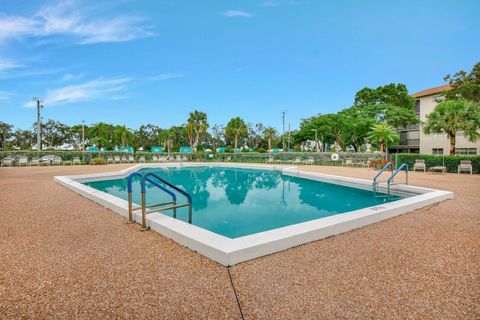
148,178
404,165
145,178
130,202
375,183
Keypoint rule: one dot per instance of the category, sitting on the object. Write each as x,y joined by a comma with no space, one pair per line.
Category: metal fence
320,158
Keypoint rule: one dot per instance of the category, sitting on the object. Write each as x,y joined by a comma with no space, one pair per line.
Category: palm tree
197,123
269,133
383,134
236,127
5,132
452,116
123,135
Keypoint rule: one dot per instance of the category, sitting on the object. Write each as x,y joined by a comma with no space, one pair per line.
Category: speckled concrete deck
63,256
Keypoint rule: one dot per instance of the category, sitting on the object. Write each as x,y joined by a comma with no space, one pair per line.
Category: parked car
48,159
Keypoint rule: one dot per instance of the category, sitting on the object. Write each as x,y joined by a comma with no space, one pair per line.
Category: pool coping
227,251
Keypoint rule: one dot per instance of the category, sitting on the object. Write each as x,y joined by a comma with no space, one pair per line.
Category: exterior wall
430,141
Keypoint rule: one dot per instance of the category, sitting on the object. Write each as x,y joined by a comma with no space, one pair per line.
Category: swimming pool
236,202
241,211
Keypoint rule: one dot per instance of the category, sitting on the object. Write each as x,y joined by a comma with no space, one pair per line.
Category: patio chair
310,161
419,165
57,161
270,160
178,158
154,158
109,159
35,162
465,166
142,159
76,160
184,159
22,161
348,163
7,162
228,159
124,159
131,159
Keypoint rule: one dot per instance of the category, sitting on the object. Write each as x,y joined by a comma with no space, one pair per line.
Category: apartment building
414,140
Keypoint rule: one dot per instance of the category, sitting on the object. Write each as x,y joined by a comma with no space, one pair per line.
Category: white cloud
67,18
166,76
8,64
69,76
4,96
237,13
109,89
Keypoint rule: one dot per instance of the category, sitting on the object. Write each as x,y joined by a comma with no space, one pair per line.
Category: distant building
414,140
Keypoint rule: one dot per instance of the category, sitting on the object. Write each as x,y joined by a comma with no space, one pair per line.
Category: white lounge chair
178,158
154,158
117,159
310,161
131,159
124,159
76,160
35,162
184,159
109,159
348,163
22,161
419,165
7,162
57,161
465,166
270,160
141,159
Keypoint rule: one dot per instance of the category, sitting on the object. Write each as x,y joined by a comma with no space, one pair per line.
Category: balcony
409,142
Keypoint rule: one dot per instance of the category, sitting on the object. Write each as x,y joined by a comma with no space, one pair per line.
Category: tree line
372,119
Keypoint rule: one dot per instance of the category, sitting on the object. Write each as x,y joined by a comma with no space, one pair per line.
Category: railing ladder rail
390,180
148,177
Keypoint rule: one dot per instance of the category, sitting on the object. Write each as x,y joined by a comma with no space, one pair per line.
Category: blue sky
134,62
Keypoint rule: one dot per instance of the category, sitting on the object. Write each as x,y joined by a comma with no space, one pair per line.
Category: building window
466,151
437,151
417,106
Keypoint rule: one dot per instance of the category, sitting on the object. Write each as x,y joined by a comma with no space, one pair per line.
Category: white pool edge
228,251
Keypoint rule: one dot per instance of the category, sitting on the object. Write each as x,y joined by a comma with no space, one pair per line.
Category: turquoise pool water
236,202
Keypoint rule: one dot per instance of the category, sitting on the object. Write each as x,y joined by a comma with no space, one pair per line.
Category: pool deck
63,256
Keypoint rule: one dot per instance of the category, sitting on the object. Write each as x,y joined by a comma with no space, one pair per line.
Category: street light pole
39,123
83,135
283,133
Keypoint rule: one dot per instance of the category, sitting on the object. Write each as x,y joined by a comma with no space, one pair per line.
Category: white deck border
228,251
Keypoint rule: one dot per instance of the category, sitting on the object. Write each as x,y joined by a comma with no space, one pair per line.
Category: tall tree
5,133
101,134
390,103
269,133
197,124
452,116
123,135
23,139
384,135
236,128
464,85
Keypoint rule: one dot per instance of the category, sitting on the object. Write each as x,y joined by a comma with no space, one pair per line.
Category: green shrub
450,162
98,161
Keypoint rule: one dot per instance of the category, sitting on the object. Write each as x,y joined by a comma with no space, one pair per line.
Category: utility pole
283,133
83,135
39,123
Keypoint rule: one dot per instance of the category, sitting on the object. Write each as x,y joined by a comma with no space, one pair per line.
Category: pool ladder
149,177
394,173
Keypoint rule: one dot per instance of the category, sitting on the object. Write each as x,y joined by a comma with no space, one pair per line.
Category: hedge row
450,162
